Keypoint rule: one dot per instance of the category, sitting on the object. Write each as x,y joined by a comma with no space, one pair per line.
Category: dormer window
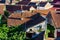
31,9
57,13
58,10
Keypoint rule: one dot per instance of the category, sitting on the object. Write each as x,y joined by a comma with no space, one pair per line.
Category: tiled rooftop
12,8
22,3
26,16
56,18
2,9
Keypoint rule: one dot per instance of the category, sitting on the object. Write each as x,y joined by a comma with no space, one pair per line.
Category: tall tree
0,18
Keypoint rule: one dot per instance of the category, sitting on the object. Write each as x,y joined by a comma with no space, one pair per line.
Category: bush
6,13
7,33
11,33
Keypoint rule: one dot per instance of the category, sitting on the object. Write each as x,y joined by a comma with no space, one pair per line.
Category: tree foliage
0,18
7,33
6,13
11,33
50,29
3,31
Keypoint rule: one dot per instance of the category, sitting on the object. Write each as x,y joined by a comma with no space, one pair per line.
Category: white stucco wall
34,28
7,2
56,30
38,0
32,8
47,6
44,25
55,34
40,8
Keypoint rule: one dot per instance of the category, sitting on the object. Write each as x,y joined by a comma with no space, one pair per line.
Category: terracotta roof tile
42,12
2,9
14,22
27,16
15,15
14,19
56,18
35,19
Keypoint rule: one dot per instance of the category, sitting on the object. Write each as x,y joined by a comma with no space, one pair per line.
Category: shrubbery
11,33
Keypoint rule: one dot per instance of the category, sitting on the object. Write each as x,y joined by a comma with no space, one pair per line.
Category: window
22,18
38,27
18,11
58,11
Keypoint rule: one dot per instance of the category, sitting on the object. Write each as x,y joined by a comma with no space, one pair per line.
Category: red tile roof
2,9
14,20
56,18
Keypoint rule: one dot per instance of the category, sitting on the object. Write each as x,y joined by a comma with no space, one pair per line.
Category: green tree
16,33
50,29
7,33
6,14
0,18
3,31
11,33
